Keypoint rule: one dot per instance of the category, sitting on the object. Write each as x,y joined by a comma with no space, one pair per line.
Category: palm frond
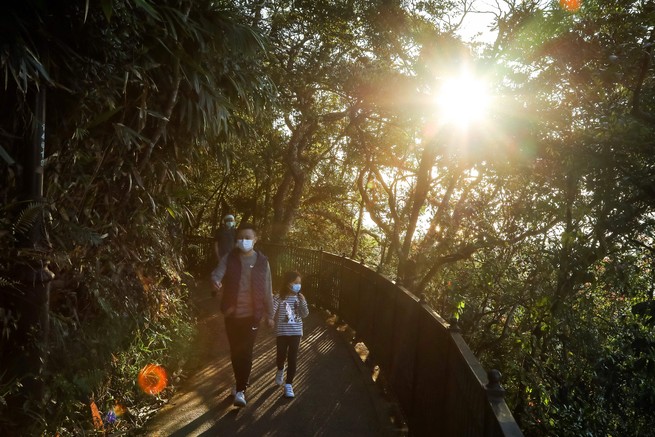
27,218
7,283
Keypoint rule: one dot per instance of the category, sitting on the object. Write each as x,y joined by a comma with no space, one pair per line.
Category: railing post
415,370
320,286
495,392
495,395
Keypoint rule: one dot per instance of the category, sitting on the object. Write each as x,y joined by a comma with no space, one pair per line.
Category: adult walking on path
245,276
226,237
335,396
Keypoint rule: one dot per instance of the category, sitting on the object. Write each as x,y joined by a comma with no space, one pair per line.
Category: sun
463,100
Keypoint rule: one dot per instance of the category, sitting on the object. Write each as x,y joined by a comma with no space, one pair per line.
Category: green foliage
27,218
108,370
138,93
108,319
535,230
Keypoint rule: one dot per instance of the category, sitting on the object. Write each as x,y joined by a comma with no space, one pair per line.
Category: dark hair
243,226
287,279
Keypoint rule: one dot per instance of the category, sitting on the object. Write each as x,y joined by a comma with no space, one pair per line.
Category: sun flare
463,100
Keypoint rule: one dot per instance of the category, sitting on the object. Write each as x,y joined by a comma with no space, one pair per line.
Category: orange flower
119,410
97,420
152,379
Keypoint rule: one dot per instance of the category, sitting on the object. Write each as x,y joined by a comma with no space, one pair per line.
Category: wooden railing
441,387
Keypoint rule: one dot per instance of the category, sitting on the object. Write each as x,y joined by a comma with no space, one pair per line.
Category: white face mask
229,224
295,288
245,245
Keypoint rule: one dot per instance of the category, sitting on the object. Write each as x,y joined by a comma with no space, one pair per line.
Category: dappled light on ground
334,394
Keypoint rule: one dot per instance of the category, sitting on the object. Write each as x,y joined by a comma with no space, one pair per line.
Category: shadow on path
335,395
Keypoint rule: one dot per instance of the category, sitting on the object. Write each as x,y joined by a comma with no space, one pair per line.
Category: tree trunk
358,231
289,193
27,352
423,183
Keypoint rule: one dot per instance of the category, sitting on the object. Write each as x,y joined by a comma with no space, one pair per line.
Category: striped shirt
289,312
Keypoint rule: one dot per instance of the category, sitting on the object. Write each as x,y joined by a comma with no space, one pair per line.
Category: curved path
335,395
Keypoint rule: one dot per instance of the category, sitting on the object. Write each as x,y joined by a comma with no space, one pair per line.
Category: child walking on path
289,307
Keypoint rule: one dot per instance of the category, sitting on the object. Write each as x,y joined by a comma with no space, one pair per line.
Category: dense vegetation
317,121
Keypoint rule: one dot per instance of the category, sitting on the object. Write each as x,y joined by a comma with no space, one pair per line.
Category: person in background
244,277
225,238
289,308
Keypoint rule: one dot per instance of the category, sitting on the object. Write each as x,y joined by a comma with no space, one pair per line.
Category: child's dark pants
287,346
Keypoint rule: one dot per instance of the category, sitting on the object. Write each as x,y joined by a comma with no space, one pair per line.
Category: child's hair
287,279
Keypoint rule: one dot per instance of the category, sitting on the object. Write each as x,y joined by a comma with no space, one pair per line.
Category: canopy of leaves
535,229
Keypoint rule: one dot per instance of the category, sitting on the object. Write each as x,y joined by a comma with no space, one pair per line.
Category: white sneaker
288,391
240,399
279,376
233,389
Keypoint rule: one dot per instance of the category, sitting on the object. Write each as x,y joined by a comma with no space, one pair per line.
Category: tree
136,94
569,323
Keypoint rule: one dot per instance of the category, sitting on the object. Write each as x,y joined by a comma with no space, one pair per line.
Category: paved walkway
335,395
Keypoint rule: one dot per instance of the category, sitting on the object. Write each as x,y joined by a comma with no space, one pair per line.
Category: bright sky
483,12
478,22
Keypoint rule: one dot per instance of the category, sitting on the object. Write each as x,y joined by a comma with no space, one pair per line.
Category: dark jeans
287,347
241,334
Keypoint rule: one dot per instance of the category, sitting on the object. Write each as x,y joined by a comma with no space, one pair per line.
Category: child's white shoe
279,376
240,399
